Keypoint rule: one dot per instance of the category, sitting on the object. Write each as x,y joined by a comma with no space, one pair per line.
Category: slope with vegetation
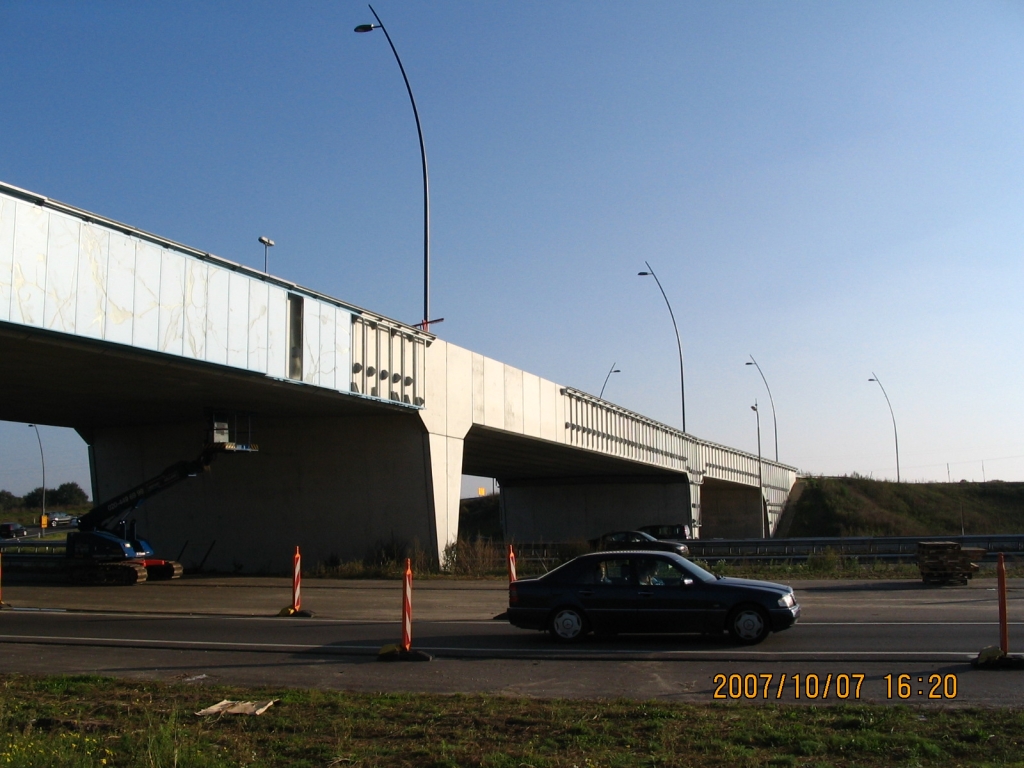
857,506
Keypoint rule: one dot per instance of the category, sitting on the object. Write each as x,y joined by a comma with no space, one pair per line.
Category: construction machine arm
98,516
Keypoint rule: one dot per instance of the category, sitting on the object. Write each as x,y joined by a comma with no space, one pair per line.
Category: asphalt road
851,635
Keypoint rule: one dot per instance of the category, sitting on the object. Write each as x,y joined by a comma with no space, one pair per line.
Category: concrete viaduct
365,425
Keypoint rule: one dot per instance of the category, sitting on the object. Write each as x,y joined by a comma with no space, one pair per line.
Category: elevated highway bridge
365,425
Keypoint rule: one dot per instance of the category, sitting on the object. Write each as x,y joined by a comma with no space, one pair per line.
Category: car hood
768,586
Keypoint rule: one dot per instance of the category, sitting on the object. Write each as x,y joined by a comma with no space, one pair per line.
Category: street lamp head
365,28
642,274
616,371
748,363
753,407
872,379
267,241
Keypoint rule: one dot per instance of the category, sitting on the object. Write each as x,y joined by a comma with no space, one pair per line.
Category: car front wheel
567,625
749,625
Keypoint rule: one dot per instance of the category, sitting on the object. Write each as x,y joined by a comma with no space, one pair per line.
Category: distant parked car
637,540
12,530
611,592
667,532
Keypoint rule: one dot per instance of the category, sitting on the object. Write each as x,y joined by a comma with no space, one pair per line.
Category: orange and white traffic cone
403,651
407,607
2,604
511,564
295,609
297,582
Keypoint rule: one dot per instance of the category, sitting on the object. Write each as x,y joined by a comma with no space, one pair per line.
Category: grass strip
97,721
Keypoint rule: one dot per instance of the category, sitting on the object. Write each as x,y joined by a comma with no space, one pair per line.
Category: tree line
65,495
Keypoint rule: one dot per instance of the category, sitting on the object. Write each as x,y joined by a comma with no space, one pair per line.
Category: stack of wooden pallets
944,562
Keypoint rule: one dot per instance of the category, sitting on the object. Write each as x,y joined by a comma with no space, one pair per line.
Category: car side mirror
687,582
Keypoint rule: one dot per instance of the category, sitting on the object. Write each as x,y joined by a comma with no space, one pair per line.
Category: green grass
94,721
858,506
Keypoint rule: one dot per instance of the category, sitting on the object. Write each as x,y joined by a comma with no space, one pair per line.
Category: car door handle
646,594
585,593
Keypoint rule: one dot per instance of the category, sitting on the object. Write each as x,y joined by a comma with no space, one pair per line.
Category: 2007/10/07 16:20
769,686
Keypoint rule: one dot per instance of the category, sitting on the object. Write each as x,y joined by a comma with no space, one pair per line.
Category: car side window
655,572
606,572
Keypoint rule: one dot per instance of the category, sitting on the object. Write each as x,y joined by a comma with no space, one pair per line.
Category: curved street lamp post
679,344
611,370
423,159
771,399
42,460
895,434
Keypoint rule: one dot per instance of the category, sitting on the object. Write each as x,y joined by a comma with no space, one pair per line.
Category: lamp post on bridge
760,474
771,400
267,245
611,370
679,344
425,323
895,434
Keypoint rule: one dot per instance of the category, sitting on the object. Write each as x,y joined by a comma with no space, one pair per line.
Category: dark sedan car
610,592
667,532
12,530
638,540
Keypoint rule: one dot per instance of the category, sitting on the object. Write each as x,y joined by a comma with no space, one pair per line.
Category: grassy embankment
857,506
94,721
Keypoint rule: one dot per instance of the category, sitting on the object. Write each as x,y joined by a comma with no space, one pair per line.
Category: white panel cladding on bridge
63,273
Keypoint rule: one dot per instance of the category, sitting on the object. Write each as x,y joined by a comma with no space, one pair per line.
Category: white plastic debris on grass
228,707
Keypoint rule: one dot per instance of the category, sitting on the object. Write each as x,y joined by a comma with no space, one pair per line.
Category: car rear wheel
568,625
749,624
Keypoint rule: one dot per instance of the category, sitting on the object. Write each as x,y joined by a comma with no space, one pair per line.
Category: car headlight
787,601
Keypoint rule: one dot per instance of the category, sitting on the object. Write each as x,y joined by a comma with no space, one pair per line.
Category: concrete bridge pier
732,511
580,508
337,487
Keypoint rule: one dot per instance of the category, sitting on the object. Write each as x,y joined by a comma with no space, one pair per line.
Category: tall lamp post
611,370
423,159
42,460
679,344
895,434
760,475
771,399
267,245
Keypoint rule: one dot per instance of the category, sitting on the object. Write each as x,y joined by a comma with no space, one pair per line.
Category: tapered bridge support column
445,457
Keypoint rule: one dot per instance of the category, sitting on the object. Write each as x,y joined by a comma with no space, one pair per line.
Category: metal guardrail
864,548
867,548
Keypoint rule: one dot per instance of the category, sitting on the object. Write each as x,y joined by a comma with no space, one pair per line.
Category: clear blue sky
835,188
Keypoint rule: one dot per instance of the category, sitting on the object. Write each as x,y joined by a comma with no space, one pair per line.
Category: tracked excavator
106,548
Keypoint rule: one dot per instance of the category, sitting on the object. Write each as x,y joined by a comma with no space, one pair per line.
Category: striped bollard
297,582
407,607
1004,635
511,564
